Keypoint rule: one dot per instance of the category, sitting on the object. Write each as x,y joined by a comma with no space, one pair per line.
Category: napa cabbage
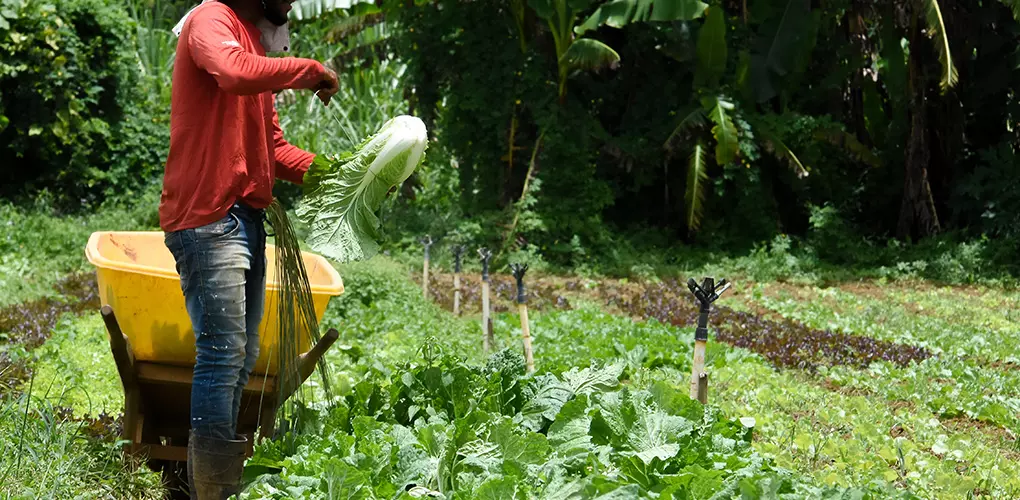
344,194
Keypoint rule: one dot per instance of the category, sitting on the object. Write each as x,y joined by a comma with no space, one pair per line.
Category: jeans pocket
227,226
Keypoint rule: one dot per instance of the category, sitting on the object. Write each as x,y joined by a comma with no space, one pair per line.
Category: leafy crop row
955,384
786,343
442,428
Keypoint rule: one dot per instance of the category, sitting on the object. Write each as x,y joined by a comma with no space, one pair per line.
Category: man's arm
215,48
291,161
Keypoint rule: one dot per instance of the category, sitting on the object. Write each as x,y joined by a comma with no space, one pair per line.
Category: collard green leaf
341,200
340,480
656,435
711,49
676,402
562,487
545,395
568,435
513,445
592,379
497,488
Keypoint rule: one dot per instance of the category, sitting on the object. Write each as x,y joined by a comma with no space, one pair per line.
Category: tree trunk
917,210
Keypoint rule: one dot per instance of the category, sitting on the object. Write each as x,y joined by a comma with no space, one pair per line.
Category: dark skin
275,11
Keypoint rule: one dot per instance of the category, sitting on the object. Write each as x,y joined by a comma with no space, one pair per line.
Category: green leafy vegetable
343,196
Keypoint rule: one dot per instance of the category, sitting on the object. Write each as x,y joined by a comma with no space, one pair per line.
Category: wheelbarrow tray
138,277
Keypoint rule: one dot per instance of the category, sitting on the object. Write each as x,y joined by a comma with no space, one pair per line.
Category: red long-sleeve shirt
226,144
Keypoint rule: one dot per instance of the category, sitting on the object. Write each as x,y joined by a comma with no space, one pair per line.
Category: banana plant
572,54
590,54
713,116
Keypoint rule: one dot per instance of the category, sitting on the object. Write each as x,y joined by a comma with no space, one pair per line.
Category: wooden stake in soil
427,241
458,252
487,336
706,293
522,306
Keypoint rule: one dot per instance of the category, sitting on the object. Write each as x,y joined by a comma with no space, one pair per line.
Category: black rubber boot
215,466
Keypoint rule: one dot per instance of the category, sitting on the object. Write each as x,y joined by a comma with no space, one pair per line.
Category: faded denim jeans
223,276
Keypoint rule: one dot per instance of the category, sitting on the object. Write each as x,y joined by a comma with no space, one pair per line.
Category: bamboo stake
458,252
522,308
706,294
427,241
487,335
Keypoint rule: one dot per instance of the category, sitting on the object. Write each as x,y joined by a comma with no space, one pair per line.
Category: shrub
73,116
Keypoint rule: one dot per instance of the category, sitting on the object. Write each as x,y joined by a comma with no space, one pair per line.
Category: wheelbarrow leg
126,368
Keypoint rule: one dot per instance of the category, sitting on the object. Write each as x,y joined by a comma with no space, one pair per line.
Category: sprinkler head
518,271
458,252
708,291
485,254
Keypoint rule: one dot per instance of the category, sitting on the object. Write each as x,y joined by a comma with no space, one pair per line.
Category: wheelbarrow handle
306,362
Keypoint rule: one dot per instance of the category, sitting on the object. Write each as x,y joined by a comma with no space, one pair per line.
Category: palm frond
693,119
590,54
777,147
845,140
936,28
697,180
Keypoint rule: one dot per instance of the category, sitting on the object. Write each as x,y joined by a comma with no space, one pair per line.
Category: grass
75,369
39,246
44,453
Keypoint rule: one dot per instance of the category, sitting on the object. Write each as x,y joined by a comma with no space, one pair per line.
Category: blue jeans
223,276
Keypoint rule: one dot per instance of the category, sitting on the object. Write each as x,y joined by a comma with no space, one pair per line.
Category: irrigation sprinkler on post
458,252
706,293
427,241
522,307
487,338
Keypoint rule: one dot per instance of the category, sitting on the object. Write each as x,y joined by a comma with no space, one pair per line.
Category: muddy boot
215,466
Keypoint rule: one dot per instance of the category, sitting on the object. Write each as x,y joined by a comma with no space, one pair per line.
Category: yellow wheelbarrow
153,345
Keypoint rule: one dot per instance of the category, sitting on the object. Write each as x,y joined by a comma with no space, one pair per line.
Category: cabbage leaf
343,195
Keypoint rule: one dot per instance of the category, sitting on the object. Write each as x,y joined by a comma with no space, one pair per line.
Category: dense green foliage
75,116
726,124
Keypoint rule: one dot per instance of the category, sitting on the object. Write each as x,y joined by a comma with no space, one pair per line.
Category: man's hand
328,86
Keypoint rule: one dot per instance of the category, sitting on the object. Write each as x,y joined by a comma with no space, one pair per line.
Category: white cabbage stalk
342,197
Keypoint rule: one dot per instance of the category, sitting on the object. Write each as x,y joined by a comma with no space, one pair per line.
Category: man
226,151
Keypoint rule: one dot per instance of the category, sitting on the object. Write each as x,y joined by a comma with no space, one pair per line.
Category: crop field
856,390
